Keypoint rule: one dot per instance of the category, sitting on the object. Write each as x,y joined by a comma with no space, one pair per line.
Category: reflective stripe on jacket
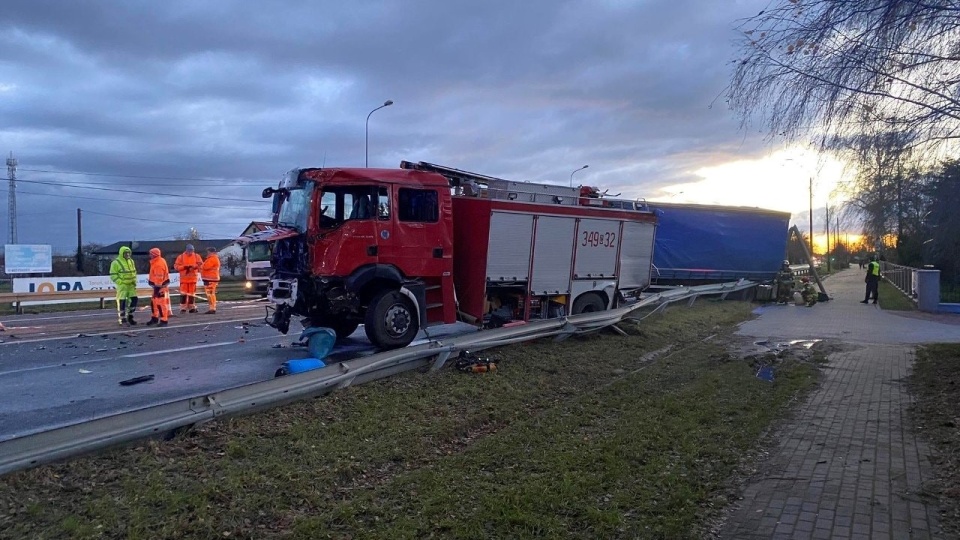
188,264
210,269
159,272
123,272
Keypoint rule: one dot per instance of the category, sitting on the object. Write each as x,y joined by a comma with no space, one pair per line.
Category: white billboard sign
28,259
79,283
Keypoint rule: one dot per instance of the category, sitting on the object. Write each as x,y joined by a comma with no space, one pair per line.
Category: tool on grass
468,362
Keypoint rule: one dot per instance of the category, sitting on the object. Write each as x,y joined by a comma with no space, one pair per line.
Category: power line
136,202
131,175
165,220
80,186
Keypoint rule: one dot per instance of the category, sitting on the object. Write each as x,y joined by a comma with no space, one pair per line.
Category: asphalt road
65,368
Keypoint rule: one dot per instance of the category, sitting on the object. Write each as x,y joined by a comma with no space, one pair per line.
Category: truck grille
260,272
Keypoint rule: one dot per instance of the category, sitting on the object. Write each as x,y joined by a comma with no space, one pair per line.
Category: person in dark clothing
872,280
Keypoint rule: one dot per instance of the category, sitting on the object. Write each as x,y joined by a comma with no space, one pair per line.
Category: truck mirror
267,193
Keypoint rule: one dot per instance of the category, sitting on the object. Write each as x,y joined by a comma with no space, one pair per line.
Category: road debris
468,362
84,371
299,366
136,380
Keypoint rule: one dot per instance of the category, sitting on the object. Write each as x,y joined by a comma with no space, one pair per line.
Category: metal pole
366,133
826,212
811,216
79,243
12,198
571,174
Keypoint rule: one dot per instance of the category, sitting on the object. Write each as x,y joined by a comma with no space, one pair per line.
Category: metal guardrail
17,298
32,450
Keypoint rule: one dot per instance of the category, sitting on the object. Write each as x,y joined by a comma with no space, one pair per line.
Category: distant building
169,248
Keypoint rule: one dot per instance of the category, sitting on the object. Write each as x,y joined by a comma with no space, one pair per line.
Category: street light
366,135
571,174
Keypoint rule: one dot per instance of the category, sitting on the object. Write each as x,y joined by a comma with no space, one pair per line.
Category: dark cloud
235,93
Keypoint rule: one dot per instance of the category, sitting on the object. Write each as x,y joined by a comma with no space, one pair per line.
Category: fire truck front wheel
391,321
343,328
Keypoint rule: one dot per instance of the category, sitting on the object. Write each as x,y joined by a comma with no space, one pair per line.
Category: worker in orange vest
159,279
188,264
210,274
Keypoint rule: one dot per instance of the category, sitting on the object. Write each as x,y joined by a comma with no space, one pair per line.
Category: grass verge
935,383
892,299
596,437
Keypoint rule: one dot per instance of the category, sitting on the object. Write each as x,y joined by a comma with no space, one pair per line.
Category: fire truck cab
371,246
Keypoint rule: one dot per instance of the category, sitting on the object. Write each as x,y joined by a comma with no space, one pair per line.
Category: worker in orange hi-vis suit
188,264
159,279
210,274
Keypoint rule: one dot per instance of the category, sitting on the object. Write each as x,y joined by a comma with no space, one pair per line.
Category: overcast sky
220,98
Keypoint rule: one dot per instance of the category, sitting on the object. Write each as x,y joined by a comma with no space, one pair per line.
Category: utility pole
79,243
826,211
836,232
811,216
12,198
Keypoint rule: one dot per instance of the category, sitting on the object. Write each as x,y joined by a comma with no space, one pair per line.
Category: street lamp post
571,174
366,133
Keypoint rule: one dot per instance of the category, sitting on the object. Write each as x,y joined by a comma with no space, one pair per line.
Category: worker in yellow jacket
210,274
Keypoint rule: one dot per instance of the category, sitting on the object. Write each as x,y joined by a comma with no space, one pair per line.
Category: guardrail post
565,332
928,290
441,359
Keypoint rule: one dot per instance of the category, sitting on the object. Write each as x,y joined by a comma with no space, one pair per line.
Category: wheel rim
397,320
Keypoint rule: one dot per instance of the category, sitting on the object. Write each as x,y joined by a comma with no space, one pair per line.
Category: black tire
343,328
391,321
588,303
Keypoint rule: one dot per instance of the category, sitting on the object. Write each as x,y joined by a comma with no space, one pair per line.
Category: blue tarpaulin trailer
702,244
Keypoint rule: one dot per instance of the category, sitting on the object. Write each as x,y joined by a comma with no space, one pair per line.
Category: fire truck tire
391,321
344,329
588,303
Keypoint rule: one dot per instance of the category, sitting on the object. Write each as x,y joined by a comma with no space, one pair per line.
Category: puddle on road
767,353
783,345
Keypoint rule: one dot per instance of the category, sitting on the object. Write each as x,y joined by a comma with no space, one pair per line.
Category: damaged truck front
342,257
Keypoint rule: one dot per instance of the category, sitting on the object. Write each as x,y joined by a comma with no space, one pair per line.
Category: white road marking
192,347
106,313
88,361
93,333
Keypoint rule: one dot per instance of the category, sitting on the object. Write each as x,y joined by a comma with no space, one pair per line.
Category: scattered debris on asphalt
136,380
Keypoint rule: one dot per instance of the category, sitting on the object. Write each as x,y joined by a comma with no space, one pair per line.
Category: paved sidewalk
846,465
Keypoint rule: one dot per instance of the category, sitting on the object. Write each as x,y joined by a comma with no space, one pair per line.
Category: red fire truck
398,250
